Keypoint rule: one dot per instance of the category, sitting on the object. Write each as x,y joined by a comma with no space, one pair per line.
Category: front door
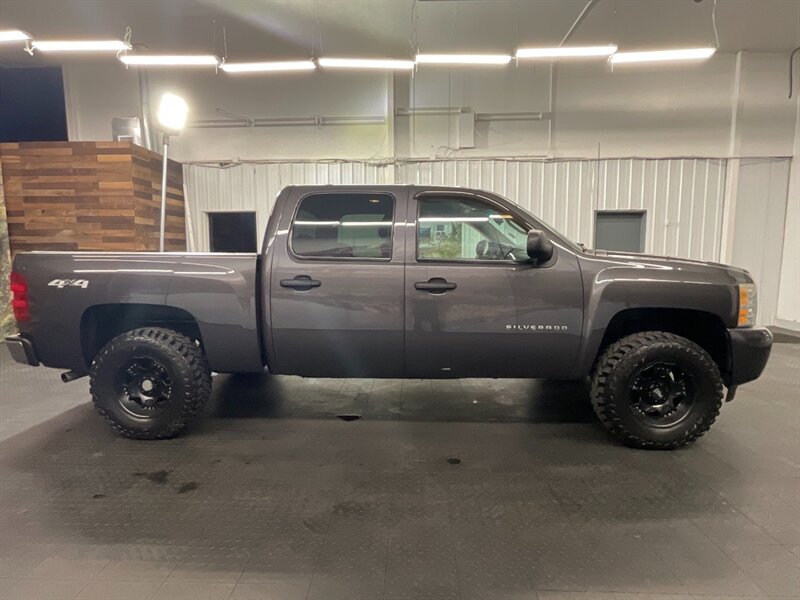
337,287
475,305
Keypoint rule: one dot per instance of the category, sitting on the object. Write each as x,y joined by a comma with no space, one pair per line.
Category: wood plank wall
89,196
7,323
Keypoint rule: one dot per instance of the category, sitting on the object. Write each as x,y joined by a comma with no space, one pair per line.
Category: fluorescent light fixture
263,67
566,52
169,60
365,63
80,46
463,59
172,112
14,35
662,55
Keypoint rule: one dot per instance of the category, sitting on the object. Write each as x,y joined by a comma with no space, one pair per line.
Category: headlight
747,305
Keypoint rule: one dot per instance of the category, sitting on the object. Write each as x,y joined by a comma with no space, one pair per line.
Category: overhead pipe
286,122
219,123
144,109
459,110
431,110
145,132
319,121
352,120
513,116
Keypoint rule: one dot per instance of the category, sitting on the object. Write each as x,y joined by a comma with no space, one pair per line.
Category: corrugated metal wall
758,228
248,187
682,197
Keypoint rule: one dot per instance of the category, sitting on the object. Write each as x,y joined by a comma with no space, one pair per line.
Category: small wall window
344,226
619,230
467,229
232,231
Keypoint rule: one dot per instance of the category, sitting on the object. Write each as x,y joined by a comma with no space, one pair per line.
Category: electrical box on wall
466,128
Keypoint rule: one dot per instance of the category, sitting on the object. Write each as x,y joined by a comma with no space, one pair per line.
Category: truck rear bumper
750,350
22,350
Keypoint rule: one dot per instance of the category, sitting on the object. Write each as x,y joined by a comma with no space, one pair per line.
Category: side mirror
540,248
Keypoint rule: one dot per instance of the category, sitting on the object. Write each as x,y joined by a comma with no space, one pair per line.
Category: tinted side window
468,229
344,226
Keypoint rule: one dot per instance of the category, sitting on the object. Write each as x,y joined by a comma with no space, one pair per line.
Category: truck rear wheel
656,390
149,382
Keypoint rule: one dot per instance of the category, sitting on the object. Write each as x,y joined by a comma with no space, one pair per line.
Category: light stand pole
171,119
163,193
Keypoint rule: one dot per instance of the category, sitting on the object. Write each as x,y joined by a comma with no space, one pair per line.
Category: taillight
19,298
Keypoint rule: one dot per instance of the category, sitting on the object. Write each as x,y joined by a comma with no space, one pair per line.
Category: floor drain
348,417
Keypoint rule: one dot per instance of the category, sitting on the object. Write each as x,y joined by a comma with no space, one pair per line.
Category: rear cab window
343,226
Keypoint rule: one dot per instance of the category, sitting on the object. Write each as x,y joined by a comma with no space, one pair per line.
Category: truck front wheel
149,382
656,390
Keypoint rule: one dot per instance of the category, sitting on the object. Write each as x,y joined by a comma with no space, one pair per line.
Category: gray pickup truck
395,282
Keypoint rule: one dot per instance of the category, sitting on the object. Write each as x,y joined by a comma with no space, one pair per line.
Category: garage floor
465,489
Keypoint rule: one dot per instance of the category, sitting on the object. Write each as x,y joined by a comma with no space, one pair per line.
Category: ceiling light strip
80,45
662,55
266,67
14,35
169,60
365,63
463,59
566,52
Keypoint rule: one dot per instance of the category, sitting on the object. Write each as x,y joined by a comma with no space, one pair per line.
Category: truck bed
214,293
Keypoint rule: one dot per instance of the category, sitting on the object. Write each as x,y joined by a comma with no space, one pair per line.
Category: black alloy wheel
656,390
662,394
144,387
148,383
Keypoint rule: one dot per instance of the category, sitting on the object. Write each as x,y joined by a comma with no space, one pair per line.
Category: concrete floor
441,490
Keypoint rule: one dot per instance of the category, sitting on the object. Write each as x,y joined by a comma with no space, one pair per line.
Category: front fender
612,287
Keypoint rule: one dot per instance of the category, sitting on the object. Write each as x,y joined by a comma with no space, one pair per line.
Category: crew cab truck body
395,282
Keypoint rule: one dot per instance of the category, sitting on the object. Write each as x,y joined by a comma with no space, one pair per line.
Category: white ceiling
280,29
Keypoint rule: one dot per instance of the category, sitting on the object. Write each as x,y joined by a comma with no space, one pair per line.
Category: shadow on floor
464,400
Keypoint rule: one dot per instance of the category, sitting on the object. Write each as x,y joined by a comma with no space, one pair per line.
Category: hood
635,258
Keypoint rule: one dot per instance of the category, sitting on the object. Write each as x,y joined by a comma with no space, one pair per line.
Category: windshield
539,224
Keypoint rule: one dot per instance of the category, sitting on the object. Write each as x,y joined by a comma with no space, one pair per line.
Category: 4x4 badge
62,283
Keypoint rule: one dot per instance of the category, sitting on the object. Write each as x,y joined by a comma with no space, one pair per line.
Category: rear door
475,305
337,285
